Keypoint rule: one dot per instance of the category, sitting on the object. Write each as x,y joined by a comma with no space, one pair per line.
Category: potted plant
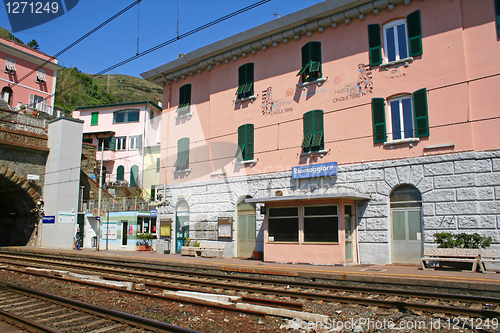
144,241
35,112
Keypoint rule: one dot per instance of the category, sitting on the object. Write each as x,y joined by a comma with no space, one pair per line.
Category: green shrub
145,239
446,240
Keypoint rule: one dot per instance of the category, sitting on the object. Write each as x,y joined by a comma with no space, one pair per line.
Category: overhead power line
79,40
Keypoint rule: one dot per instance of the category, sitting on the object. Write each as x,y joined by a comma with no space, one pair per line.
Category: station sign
315,170
49,219
153,213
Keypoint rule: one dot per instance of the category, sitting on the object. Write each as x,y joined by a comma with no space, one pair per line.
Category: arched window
120,173
7,95
406,196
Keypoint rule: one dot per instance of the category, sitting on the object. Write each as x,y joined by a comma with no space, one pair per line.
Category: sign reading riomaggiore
314,170
28,14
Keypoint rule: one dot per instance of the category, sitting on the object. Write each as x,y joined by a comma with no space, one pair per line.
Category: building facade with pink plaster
28,77
129,133
349,132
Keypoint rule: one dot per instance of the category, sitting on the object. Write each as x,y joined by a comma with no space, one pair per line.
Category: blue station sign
315,170
153,213
49,219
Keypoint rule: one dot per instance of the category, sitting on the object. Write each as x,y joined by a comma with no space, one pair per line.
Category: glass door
406,236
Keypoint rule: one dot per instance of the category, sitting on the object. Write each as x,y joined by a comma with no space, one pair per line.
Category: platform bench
451,255
491,256
210,250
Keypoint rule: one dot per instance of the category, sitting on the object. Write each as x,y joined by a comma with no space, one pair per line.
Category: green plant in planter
196,244
145,239
448,240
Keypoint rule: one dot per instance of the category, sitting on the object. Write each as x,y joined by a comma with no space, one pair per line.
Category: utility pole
99,203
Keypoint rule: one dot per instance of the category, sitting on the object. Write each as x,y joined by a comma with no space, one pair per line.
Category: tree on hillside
33,44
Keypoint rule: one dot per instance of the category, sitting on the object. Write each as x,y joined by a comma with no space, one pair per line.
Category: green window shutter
308,130
182,161
378,114
112,143
153,192
241,140
315,57
375,44
245,142
318,141
306,58
94,120
157,165
420,113
120,173
414,34
248,142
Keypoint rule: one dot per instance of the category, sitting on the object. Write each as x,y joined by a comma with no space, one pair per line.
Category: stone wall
460,193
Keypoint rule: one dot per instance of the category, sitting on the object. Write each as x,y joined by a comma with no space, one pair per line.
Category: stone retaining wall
460,193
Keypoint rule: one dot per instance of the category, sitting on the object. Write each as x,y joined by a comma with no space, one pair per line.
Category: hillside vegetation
75,89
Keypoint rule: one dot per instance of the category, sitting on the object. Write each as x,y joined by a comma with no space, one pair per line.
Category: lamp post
99,202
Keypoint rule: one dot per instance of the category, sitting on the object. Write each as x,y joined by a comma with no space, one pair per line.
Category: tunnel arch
18,216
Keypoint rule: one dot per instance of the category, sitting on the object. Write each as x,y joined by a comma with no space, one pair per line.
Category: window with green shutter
375,44
408,117
245,142
182,161
311,62
94,120
402,39
245,81
184,100
314,138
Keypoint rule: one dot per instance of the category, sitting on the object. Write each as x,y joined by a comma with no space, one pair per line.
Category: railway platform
402,275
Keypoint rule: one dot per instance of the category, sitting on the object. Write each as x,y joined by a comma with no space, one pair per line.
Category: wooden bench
452,255
491,256
210,250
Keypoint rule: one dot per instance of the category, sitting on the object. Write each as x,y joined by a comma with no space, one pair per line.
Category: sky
155,21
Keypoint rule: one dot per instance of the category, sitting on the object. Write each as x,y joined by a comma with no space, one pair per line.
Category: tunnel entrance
17,219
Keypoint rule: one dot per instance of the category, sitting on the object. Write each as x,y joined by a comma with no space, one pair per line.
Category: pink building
129,133
348,132
28,77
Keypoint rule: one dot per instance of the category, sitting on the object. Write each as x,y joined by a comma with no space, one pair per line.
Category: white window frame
40,106
10,65
41,76
126,113
121,143
394,24
133,142
399,99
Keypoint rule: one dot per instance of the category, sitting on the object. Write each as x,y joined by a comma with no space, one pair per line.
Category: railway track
273,291
36,311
